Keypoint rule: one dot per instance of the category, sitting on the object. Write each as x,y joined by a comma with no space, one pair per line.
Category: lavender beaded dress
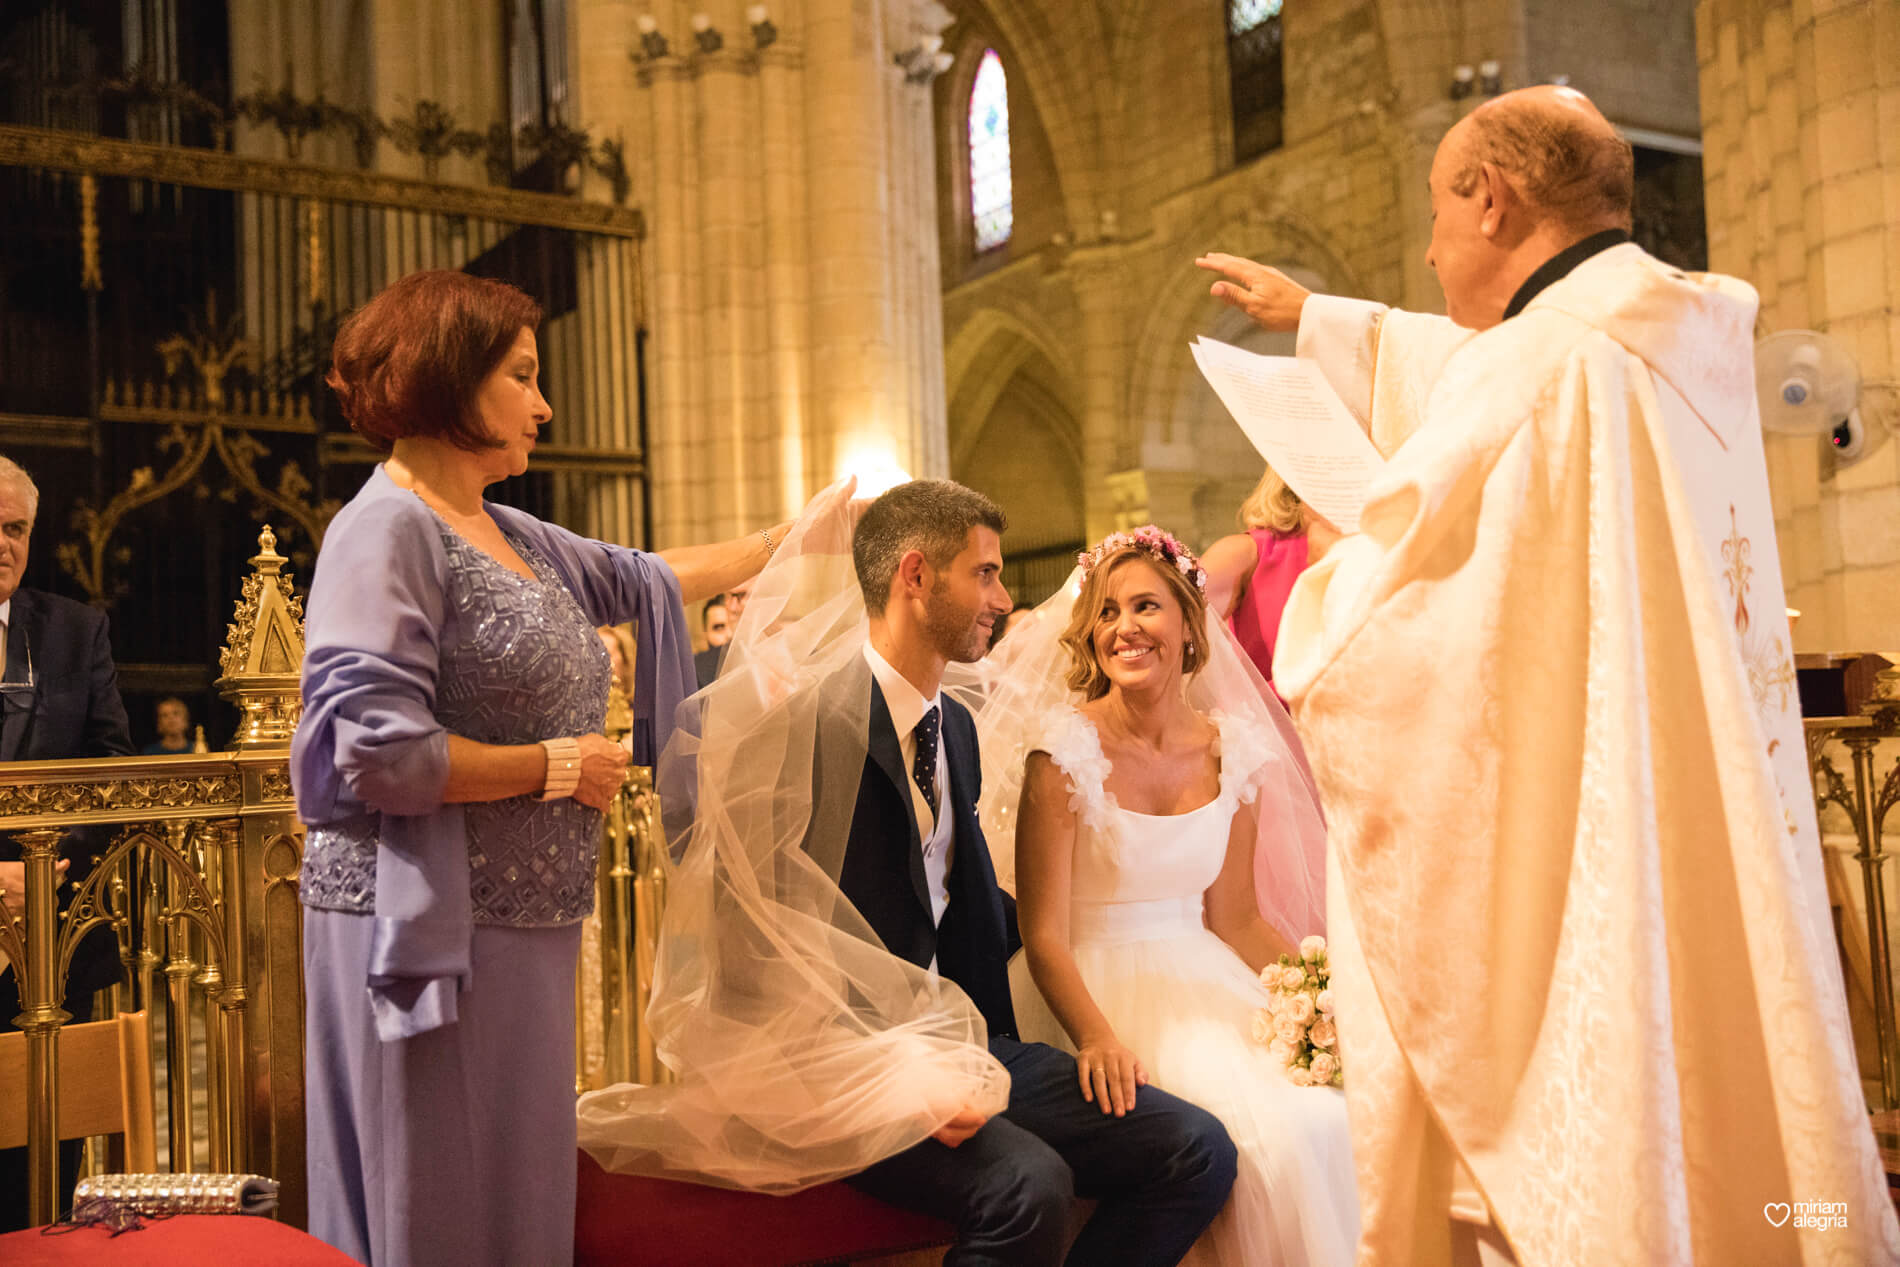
457,1144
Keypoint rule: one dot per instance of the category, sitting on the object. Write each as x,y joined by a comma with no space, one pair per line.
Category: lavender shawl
369,740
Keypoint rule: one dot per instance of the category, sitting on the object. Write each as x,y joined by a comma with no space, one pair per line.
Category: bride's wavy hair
1086,674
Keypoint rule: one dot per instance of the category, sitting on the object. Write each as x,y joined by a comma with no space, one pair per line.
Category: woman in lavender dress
451,774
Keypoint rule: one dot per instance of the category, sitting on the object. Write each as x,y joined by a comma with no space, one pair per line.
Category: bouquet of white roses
1297,1023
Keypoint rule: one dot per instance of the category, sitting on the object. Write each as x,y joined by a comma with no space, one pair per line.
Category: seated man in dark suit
715,621
916,866
59,697
718,618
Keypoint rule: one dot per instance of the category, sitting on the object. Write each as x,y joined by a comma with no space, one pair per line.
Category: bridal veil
805,1051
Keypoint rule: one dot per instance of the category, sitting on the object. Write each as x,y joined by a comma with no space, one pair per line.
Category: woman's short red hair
410,361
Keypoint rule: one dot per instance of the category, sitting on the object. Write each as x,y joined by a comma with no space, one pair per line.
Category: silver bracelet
771,548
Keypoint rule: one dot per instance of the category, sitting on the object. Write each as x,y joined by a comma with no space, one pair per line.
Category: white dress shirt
907,707
6,622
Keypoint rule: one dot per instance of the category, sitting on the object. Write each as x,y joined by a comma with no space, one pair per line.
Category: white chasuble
1580,931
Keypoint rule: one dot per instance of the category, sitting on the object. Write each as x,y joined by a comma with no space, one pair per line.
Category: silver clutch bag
105,1197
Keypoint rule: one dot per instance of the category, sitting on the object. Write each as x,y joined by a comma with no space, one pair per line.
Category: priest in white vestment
1591,1007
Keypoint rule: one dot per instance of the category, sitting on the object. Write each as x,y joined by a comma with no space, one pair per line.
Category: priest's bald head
1513,183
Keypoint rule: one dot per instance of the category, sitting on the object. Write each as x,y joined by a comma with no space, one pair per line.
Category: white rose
1324,1002
1285,1027
1325,1065
1281,1051
1301,1008
1263,1026
1312,948
1293,978
1299,1077
1323,1034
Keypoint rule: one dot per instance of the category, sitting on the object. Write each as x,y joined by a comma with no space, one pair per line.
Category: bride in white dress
1156,822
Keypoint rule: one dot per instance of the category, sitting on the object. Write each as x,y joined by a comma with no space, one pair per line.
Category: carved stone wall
1801,122
1122,145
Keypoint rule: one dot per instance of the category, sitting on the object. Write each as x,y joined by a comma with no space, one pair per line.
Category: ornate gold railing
613,1043
200,885
1872,707
200,888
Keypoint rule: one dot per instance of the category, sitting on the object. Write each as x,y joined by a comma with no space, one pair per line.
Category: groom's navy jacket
882,872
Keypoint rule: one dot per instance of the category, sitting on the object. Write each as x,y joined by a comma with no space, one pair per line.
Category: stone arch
1199,466
1015,429
1185,310
983,353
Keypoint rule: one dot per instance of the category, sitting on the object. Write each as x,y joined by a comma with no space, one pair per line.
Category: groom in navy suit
59,698
928,557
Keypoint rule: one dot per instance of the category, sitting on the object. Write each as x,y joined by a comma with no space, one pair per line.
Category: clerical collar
1557,266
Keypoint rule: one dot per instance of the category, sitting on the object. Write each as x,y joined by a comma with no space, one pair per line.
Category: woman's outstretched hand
1109,1074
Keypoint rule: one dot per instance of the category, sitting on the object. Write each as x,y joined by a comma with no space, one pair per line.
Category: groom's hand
966,1123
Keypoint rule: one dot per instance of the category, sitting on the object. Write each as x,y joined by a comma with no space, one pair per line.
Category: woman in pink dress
1250,574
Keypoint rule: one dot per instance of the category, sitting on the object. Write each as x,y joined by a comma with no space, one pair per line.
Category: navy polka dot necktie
924,768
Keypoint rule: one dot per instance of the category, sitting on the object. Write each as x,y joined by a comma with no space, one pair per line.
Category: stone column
795,320
785,272
731,476
851,284
673,360
917,276
1110,443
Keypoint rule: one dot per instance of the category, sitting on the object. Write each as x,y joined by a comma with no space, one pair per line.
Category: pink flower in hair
1153,541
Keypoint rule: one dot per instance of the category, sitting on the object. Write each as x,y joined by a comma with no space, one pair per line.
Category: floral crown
1149,540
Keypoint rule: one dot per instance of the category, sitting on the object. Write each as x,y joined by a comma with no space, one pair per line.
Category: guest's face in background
1139,631
718,625
172,719
967,598
16,533
512,408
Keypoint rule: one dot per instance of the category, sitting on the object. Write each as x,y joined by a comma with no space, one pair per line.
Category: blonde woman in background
1250,574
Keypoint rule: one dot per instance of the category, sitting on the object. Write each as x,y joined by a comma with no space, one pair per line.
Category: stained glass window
989,153
1244,15
1256,77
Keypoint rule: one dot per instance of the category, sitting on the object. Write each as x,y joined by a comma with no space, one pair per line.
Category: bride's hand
1109,1074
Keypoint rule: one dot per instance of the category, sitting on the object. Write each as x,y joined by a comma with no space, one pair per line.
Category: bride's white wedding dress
1184,1003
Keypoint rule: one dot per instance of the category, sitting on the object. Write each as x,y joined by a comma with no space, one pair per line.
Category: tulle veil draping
1015,691
804,1050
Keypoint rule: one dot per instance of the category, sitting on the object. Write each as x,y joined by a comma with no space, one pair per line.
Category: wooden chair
105,1088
